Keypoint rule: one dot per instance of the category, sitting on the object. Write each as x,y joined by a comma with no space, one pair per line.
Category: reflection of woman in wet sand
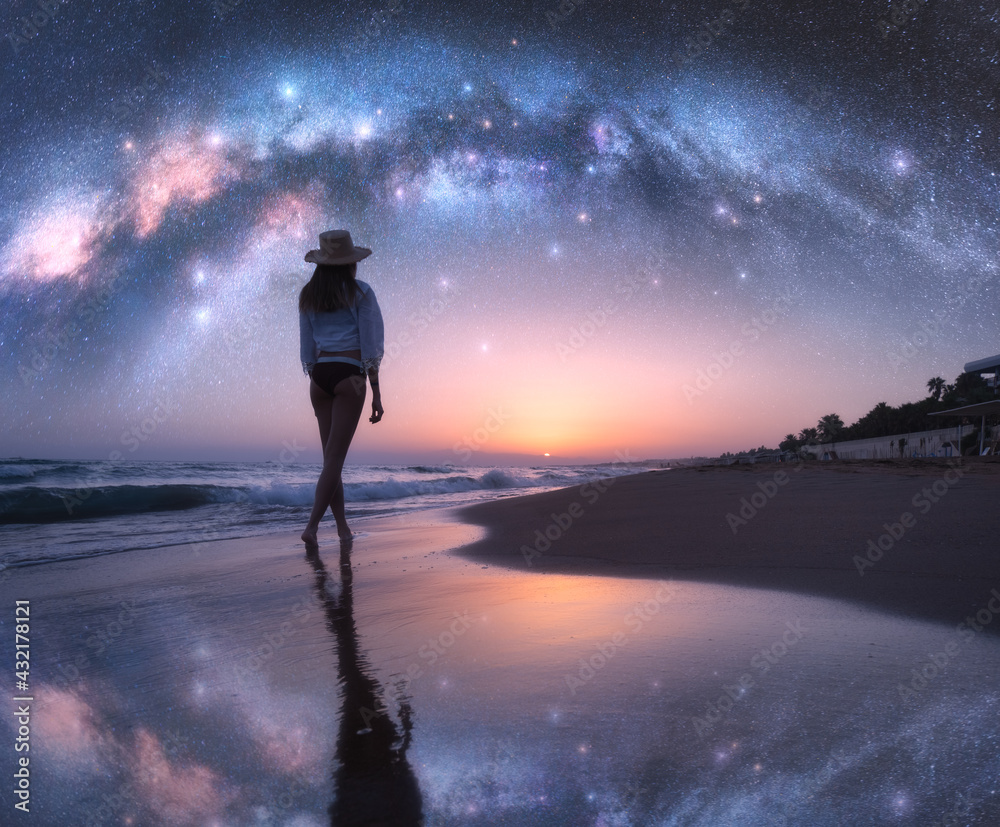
374,783
341,338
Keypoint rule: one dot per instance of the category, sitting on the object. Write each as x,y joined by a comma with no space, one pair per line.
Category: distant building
990,367
942,442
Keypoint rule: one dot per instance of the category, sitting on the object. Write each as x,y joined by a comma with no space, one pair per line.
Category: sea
58,510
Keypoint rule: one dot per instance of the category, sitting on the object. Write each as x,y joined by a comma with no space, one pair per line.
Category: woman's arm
372,334
377,409
307,344
371,330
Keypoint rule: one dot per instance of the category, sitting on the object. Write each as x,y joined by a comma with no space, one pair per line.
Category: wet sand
222,682
916,537
244,681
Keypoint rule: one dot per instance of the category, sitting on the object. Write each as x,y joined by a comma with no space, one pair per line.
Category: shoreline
818,530
234,678
916,538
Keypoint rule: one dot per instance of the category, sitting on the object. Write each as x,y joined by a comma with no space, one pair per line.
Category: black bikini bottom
328,374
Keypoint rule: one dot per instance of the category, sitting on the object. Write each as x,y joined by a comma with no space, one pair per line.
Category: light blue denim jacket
352,328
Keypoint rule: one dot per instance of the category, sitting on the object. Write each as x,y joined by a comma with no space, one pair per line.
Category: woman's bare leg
339,511
338,417
322,404
324,418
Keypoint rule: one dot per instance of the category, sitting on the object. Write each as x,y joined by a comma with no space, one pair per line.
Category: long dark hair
332,287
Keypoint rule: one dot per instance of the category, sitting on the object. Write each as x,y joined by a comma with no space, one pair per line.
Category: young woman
341,338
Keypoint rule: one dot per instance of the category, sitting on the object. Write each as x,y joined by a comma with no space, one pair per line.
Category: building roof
992,363
980,409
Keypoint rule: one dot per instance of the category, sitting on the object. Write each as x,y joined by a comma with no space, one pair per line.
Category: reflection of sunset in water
500,696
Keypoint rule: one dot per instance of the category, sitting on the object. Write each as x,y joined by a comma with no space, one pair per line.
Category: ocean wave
33,504
36,504
10,472
392,489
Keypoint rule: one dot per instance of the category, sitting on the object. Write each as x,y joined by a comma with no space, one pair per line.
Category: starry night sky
665,229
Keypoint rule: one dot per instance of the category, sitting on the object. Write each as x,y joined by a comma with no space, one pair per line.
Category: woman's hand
377,409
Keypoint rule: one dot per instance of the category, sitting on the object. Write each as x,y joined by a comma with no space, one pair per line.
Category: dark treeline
885,420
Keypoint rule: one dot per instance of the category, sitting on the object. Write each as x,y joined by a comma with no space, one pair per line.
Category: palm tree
881,413
808,435
971,387
830,427
936,387
789,443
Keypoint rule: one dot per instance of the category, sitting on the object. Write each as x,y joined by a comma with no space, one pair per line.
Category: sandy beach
648,665
837,530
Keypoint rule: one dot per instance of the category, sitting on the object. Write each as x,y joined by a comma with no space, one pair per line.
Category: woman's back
336,329
357,327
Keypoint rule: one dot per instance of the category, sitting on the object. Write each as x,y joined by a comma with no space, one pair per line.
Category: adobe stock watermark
494,421
961,813
434,649
96,644
504,753
924,500
937,152
143,430
438,646
42,356
815,101
698,43
253,660
131,794
563,521
723,361
594,320
374,26
127,104
563,11
762,662
928,331
806,791
223,8
418,323
938,661
289,454
132,437
900,13
290,794
634,620
768,490
32,24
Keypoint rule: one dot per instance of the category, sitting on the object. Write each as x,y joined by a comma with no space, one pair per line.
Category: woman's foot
309,537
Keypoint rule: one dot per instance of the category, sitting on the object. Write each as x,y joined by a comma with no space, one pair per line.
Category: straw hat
336,247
